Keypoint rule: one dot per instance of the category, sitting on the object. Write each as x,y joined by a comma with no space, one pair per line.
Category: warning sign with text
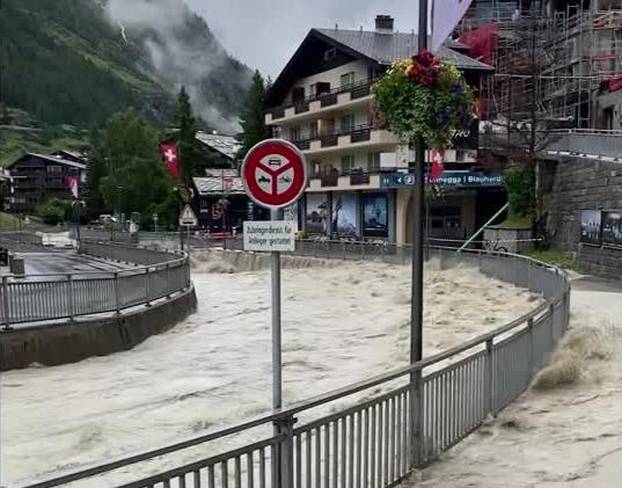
277,235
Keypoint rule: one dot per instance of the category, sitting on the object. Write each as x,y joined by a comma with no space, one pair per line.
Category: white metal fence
374,433
42,297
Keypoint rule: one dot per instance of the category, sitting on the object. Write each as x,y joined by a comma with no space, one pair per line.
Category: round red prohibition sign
274,173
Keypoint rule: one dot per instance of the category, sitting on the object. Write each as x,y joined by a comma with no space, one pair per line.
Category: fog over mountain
183,51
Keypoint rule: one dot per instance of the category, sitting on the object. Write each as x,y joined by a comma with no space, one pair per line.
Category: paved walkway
566,437
69,262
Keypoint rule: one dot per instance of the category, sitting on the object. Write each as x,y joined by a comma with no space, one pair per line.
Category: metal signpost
187,219
274,176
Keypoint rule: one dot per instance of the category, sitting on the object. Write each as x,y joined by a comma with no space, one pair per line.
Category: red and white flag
72,183
170,156
437,169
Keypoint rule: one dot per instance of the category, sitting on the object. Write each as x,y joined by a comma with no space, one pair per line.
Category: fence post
552,326
416,419
168,280
488,389
285,453
147,290
531,346
566,309
70,298
117,301
344,250
5,303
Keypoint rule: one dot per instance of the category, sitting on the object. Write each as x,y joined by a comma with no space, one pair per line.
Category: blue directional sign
450,179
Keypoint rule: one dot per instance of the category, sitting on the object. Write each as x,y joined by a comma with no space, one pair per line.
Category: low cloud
180,47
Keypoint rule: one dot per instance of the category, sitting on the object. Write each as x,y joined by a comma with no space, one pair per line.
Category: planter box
507,239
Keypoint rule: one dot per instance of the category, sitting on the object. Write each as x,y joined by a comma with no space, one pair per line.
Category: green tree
253,120
53,211
128,174
186,137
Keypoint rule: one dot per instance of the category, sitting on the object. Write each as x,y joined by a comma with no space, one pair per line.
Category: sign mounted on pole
278,235
188,218
274,173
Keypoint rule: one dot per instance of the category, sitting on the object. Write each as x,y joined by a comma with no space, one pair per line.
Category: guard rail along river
376,432
61,318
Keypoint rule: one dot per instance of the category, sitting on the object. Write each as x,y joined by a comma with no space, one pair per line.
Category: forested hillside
63,63
74,62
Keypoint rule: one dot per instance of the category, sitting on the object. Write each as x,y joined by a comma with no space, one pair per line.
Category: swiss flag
436,171
72,183
170,156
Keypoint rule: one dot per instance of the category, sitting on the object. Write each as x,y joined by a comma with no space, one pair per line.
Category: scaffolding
551,58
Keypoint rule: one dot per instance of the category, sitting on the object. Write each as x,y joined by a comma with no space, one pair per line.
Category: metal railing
373,433
358,89
44,297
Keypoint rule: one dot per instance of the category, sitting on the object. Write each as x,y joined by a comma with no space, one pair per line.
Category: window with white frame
347,123
295,133
373,162
346,81
347,164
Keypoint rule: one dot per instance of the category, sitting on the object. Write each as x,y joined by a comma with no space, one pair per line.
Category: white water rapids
343,322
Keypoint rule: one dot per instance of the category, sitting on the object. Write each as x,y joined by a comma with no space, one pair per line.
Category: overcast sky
265,33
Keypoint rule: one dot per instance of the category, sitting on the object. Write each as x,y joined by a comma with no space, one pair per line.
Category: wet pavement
69,262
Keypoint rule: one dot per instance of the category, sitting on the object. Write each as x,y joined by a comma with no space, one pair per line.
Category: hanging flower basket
423,97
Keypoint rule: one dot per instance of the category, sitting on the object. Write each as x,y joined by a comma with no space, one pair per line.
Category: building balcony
362,136
337,99
333,180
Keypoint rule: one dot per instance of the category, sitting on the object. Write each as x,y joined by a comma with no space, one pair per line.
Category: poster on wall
344,215
612,228
291,214
375,216
591,226
318,213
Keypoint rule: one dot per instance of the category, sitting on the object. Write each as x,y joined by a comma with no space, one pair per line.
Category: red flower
426,58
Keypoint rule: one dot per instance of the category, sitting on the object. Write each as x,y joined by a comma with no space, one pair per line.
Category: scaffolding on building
567,50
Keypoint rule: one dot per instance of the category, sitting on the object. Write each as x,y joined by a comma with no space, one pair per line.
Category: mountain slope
78,61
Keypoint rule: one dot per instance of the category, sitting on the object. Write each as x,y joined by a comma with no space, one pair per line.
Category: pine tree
252,120
186,137
126,173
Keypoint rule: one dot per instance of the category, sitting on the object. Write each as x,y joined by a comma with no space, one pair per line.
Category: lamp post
416,311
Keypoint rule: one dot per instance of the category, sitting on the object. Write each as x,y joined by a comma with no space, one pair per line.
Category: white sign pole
277,376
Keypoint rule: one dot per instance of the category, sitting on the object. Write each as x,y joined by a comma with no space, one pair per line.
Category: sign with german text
276,235
274,173
449,179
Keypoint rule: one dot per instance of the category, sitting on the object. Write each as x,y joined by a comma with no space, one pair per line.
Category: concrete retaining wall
601,261
574,185
509,240
61,343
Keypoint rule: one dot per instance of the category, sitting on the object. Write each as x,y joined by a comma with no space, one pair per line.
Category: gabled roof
374,48
226,145
51,159
213,185
386,48
71,156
